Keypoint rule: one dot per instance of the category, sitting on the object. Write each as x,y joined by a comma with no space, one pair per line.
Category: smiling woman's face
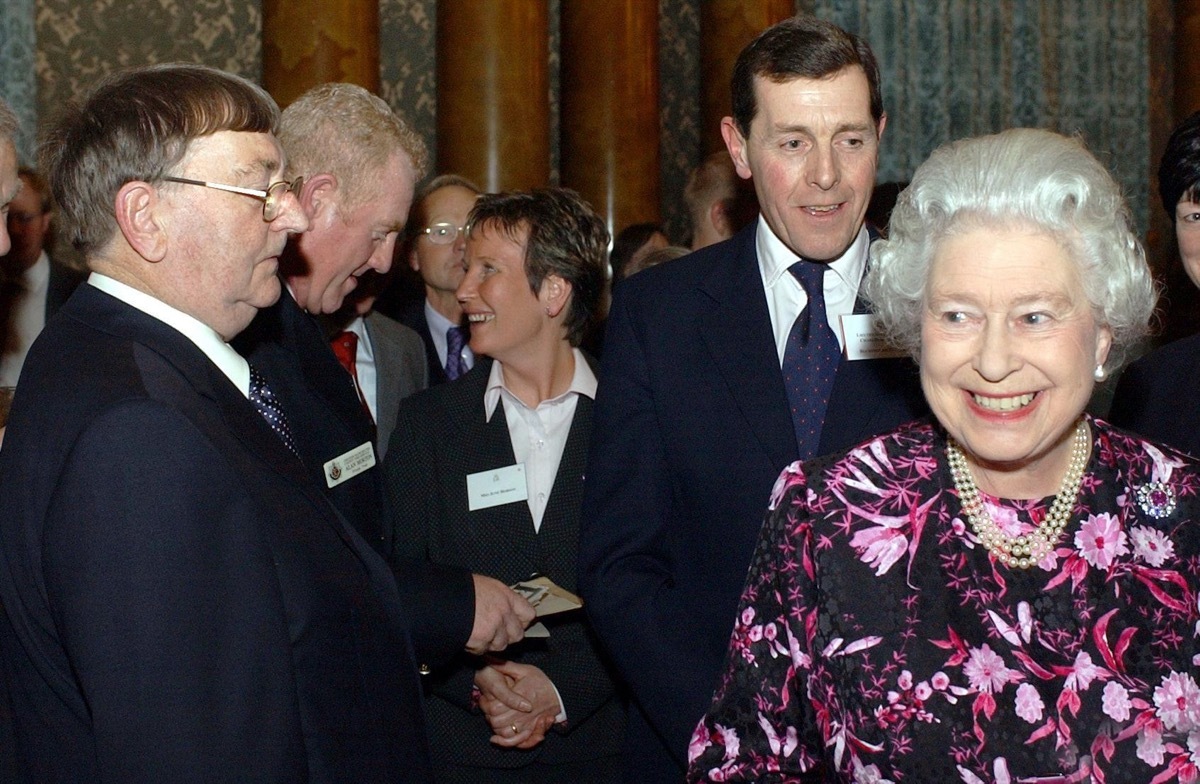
1009,346
1187,234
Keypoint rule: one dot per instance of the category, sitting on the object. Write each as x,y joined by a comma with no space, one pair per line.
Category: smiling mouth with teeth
824,209
476,318
1003,404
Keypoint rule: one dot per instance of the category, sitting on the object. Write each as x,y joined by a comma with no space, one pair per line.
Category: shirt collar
437,322
228,361
358,325
38,276
775,257
583,382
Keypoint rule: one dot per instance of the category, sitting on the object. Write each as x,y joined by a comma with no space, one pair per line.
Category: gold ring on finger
515,729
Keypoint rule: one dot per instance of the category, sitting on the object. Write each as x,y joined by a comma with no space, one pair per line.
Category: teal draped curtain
956,68
18,83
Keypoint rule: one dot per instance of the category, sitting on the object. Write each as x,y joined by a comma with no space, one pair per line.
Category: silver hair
1021,178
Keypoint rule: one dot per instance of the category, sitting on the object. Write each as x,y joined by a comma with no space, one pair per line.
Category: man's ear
318,197
718,216
555,294
137,206
736,144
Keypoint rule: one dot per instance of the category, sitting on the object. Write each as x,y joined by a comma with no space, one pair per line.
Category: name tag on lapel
349,464
863,338
497,487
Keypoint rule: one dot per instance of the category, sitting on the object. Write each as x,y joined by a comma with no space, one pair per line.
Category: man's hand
519,702
501,615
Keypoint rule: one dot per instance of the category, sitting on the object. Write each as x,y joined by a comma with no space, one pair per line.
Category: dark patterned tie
456,338
810,360
268,405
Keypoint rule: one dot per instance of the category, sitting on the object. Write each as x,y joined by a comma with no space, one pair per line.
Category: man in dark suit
435,245
183,604
722,368
359,161
32,285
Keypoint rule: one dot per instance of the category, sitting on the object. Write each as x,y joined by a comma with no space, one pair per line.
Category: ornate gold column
610,126
308,42
493,92
726,26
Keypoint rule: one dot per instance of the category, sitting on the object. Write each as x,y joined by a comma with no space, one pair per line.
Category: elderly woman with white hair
1008,593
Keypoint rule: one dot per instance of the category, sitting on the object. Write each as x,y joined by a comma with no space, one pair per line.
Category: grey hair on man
345,130
1021,178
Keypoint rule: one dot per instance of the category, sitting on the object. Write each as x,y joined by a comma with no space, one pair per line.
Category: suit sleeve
166,598
579,675
441,598
625,567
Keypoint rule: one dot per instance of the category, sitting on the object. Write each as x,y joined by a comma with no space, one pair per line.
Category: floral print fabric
877,640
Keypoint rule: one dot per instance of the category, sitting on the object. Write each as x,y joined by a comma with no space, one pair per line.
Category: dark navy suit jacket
692,428
413,317
183,604
1157,396
318,396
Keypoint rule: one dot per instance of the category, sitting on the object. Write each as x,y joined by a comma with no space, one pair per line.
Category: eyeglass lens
443,233
274,199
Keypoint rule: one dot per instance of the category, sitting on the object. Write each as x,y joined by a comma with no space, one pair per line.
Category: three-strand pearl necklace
1026,550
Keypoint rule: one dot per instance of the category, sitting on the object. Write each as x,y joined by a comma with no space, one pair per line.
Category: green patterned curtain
18,84
955,68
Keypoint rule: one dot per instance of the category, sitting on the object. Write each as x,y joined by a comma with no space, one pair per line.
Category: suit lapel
737,332
558,538
505,529
852,415
320,369
387,376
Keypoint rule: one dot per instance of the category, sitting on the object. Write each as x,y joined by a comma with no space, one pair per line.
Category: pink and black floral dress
877,641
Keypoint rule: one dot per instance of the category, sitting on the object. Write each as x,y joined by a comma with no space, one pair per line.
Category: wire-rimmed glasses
271,198
442,232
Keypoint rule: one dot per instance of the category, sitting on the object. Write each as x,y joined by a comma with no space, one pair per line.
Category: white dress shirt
27,320
364,365
438,326
228,361
785,296
539,435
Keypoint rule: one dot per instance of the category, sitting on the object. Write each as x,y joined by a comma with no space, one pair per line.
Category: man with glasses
435,244
183,603
360,162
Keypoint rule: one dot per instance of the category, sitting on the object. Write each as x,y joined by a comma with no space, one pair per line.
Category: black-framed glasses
271,198
443,233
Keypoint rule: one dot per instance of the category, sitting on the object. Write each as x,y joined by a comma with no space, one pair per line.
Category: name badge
350,464
496,487
863,338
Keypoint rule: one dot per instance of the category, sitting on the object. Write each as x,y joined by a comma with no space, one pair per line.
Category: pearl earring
1099,373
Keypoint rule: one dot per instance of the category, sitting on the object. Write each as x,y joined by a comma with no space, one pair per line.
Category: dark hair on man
1179,171
626,243
566,238
37,182
801,46
136,125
